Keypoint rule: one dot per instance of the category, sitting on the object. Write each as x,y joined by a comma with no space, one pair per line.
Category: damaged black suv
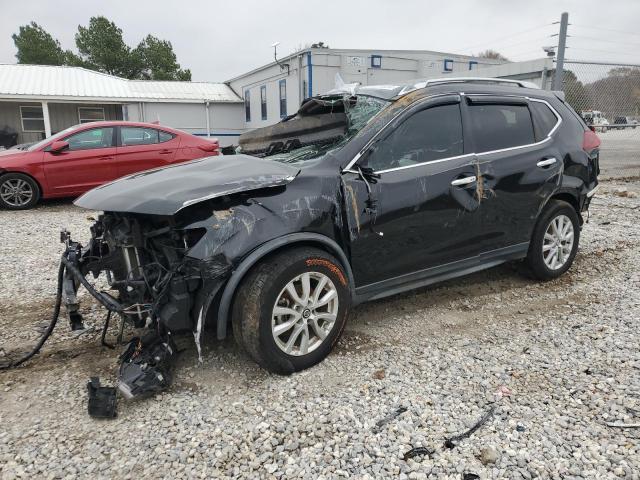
359,195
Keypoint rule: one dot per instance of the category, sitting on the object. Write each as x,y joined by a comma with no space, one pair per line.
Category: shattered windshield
358,114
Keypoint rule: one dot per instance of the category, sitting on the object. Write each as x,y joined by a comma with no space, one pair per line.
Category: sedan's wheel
18,191
555,240
291,309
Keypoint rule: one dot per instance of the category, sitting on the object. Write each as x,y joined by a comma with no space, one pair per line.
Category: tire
11,184
541,262
265,288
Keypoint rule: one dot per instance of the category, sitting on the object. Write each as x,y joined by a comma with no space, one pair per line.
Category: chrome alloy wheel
16,192
558,242
304,313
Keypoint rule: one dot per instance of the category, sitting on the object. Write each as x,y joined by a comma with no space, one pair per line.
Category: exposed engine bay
151,284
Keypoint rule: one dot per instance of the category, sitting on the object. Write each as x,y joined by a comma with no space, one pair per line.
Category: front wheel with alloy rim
291,309
18,191
555,240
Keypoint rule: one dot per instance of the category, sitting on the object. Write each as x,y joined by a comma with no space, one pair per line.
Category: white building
275,90
37,100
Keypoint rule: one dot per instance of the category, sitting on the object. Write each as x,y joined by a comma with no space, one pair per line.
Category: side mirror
58,146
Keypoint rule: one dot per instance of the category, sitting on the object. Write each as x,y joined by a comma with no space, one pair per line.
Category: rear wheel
291,309
555,240
18,191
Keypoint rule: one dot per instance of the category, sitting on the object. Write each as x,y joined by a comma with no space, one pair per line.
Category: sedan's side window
498,126
90,139
431,134
130,136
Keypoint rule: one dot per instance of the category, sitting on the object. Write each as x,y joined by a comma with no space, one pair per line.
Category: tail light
210,146
590,141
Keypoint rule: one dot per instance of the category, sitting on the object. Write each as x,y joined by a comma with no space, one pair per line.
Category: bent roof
43,82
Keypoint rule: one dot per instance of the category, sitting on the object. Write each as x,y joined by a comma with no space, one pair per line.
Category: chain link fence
607,96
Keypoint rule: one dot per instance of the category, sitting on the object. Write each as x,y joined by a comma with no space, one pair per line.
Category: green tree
36,46
575,92
159,60
102,48
617,93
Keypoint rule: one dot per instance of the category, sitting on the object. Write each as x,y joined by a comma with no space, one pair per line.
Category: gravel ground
558,361
620,153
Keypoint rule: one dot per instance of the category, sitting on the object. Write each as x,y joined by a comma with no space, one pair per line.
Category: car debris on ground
418,451
102,400
452,442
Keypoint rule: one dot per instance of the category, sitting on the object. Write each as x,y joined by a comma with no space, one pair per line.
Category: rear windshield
358,115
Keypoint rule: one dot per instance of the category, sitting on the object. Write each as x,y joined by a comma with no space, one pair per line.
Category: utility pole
562,44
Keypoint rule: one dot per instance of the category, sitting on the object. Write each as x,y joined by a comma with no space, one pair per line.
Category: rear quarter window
164,136
544,119
499,126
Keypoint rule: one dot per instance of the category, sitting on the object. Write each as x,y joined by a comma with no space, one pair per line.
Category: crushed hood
165,191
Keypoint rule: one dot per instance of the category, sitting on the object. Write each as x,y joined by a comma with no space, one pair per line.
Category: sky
218,40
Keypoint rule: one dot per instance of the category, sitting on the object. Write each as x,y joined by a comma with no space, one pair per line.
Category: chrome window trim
425,163
535,144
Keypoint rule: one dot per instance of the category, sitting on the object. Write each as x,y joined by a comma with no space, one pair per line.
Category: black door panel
422,220
514,191
517,169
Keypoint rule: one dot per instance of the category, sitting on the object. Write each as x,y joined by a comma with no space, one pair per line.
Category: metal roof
43,82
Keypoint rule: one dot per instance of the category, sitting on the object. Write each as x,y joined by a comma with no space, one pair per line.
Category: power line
604,40
529,52
495,40
602,51
525,42
607,30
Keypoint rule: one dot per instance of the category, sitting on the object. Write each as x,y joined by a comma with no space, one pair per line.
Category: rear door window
498,126
431,134
130,136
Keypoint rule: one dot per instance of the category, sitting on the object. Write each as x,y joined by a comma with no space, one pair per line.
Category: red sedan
80,158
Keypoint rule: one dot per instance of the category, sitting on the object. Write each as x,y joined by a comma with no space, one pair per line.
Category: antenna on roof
275,57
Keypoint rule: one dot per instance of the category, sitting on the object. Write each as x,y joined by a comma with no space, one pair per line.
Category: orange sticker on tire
312,262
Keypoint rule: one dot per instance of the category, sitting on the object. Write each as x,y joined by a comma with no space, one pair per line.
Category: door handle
106,158
464,181
165,152
546,162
